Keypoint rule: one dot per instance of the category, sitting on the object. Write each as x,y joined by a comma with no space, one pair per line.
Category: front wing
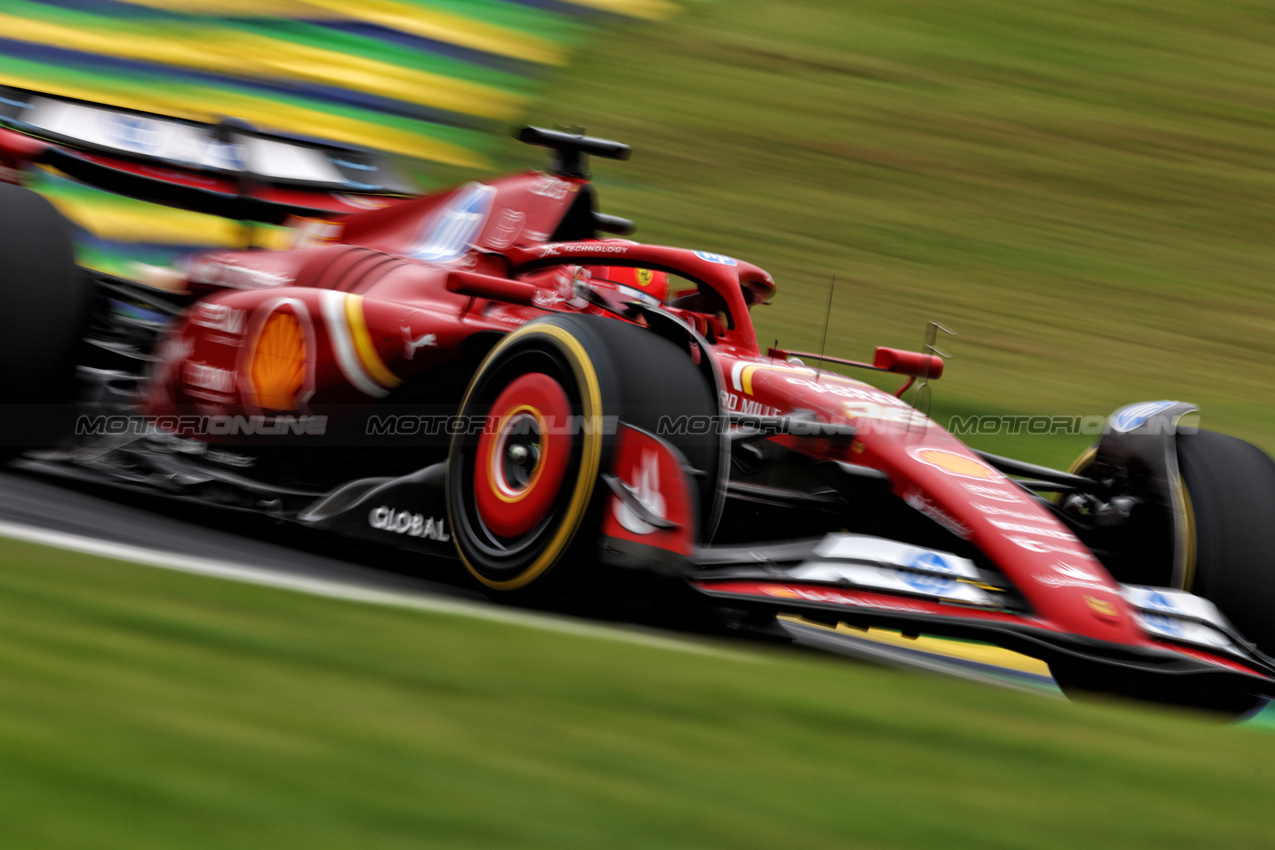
871,582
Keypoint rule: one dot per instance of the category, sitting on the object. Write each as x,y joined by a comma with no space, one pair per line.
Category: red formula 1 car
478,375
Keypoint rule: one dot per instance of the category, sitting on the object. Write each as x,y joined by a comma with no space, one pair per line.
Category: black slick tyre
1230,492
1231,488
45,313
523,493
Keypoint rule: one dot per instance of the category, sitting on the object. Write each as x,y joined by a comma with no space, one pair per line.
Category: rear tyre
45,305
523,498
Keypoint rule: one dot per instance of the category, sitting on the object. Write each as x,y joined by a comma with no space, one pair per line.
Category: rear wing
226,169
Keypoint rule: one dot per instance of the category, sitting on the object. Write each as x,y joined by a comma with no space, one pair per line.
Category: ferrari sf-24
493,377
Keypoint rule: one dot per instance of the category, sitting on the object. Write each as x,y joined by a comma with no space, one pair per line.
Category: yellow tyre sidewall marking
1187,537
1078,467
590,461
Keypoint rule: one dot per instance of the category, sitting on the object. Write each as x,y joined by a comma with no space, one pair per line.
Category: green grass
144,709
1083,190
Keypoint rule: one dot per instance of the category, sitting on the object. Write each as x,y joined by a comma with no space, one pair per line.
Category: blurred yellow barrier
137,222
348,71
418,20
229,52
649,9
453,29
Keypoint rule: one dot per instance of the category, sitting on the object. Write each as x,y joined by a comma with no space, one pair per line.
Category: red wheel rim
522,455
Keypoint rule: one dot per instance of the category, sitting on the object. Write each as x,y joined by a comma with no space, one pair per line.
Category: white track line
352,592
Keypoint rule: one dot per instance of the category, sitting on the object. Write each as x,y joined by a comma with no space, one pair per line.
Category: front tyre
1080,681
1230,485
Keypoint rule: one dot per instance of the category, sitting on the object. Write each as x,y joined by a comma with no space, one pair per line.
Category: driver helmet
643,284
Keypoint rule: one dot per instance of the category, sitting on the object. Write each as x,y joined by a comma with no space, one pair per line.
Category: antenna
920,403
827,314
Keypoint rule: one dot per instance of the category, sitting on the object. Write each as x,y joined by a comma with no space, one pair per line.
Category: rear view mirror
911,363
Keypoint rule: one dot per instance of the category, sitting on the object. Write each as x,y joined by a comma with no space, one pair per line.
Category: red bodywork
375,315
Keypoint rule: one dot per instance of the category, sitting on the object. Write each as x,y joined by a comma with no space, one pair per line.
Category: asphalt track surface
120,516
290,557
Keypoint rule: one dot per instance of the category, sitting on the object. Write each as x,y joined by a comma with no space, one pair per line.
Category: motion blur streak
432,80
449,27
220,50
352,592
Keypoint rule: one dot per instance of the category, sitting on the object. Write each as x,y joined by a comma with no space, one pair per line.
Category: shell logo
1100,606
1102,609
782,592
955,464
279,361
